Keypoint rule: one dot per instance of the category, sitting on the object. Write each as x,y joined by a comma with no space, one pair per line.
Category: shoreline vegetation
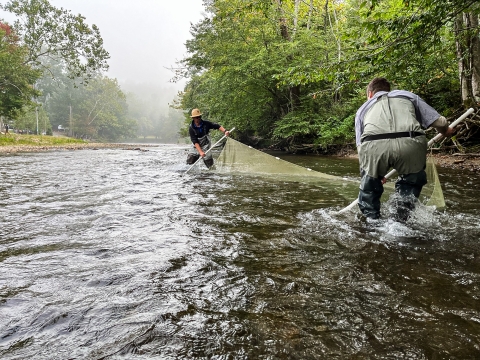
12,143
15,143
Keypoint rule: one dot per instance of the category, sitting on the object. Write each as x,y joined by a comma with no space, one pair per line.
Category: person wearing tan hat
198,131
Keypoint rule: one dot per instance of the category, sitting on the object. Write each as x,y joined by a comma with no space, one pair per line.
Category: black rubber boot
408,187
192,158
208,162
371,191
404,207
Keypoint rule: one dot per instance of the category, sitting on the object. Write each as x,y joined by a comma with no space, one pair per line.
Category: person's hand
227,132
450,132
384,180
202,154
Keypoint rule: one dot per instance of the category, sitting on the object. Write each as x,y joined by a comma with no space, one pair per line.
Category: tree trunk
283,22
475,57
295,17
310,12
294,90
468,57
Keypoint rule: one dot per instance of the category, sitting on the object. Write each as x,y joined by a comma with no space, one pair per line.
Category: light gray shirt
426,114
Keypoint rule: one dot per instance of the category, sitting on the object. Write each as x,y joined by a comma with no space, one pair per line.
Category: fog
144,37
145,40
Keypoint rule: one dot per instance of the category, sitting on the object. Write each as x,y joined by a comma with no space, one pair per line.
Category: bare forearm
225,131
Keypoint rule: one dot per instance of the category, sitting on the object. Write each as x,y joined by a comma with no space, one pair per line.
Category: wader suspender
204,140
394,135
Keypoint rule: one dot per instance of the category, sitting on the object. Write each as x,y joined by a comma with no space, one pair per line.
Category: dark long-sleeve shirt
199,132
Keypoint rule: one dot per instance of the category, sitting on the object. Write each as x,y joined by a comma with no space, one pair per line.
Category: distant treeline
52,66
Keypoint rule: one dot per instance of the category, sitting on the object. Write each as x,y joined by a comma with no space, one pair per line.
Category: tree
467,35
167,127
295,71
101,111
48,32
265,67
16,77
98,110
137,111
411,34
27,121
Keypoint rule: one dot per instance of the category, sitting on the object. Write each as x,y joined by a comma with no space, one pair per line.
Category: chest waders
392,138
193,154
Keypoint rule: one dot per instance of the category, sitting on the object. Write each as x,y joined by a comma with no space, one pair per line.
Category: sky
143,37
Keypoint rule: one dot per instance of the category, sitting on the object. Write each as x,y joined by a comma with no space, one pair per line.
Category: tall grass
36,140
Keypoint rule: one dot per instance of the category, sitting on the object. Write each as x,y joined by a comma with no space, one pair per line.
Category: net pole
211,147
430,143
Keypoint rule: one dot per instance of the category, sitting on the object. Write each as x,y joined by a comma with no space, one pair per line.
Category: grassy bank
16,143
12,139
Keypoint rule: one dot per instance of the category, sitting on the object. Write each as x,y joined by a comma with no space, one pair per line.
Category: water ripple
118,254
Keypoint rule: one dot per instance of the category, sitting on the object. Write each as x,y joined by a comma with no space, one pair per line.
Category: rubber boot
208,162
408,187
192,158
371,190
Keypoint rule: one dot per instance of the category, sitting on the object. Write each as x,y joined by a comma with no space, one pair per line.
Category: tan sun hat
196,113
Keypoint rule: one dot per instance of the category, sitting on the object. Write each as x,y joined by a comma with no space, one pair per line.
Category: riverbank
13,143
459,161
11,149
469,162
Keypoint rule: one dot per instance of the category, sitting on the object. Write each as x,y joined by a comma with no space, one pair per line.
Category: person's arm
441,125
195,143
222,129
199,149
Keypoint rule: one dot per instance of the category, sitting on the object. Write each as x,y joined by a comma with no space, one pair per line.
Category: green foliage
36,140
297,125
249,72
413,44
337,131
68,53
16,78
316,128
96,111
298,73
27,122
101,111
49,32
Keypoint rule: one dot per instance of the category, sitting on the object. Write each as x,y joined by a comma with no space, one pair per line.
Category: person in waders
198,132
389,129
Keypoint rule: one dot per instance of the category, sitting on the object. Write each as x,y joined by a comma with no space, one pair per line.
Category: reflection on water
115,254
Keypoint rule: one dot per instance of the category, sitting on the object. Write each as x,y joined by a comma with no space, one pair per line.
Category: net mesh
432,194
242,159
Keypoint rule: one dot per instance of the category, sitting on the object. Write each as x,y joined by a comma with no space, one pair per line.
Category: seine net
238,158
432,194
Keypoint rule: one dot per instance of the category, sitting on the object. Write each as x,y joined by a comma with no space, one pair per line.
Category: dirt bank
459,161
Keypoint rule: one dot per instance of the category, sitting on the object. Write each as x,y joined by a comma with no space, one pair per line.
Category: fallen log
466,155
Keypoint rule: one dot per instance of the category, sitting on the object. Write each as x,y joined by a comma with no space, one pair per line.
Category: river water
116,254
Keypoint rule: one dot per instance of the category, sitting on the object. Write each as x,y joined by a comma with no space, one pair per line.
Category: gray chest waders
392,138
193,154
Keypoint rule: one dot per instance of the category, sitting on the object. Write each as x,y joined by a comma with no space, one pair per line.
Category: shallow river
115,254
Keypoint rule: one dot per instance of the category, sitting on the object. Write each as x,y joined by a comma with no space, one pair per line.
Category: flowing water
116,254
